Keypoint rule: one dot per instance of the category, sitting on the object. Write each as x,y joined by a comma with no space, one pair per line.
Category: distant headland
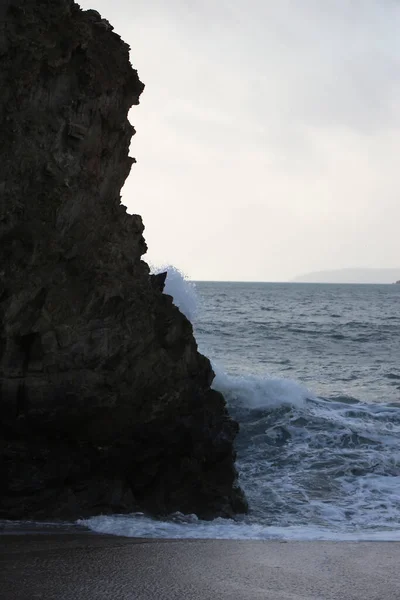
351,276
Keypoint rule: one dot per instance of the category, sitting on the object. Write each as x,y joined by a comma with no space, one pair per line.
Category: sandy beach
87,566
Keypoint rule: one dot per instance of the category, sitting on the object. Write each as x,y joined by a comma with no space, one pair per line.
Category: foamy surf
138,526
252,391
312,469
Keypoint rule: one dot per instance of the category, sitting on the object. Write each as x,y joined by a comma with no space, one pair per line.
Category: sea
312,374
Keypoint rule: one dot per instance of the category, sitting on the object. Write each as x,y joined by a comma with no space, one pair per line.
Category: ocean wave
182,290
251,391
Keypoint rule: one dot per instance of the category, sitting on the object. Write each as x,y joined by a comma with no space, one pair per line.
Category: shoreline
90,566
184,532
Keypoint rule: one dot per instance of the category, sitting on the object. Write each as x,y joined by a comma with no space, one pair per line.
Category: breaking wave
312,468
182,290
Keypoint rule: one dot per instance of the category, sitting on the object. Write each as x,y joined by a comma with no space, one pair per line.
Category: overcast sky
268,135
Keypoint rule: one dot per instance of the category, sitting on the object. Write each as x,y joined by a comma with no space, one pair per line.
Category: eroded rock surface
105,402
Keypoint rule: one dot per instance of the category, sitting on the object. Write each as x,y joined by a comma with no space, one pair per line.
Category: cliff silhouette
106,404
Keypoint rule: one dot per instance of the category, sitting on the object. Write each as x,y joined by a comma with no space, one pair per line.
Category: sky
268,134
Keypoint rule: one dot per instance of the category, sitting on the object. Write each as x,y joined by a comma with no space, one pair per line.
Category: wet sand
99,567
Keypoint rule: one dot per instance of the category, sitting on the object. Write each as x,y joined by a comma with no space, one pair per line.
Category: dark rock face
105,402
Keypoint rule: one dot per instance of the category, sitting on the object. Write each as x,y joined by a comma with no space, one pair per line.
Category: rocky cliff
105,402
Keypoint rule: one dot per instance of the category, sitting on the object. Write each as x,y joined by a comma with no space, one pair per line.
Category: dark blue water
340,340
312,374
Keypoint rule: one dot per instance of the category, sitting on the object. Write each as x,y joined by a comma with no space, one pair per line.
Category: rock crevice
105,401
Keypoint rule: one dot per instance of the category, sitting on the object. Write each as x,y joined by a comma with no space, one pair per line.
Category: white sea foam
140,526
253,392
182,290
